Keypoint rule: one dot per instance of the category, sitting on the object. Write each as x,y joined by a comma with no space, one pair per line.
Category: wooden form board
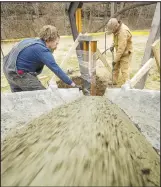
103,59
142,71
156,51
92,63
70,52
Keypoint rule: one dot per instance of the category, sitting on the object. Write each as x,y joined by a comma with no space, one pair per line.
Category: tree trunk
112,8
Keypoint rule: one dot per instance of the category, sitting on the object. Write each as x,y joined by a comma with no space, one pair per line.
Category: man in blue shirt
26,60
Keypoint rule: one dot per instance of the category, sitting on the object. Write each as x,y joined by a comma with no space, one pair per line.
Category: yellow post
85,50
79,20
86,46
93,67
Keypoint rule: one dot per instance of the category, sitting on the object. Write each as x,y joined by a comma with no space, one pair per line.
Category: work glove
78,86
112,48
113,64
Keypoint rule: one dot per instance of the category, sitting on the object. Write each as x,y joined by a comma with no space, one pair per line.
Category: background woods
24,19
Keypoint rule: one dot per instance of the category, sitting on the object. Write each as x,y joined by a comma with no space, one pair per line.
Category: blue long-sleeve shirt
34,57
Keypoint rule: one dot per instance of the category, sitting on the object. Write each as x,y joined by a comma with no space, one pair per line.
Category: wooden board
156,51
141,72
70,52
103,59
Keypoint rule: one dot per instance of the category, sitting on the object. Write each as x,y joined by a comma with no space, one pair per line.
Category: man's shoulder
124,30
35,43
40,48
125,27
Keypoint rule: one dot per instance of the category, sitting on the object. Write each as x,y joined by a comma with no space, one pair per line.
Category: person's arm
46,57
122,43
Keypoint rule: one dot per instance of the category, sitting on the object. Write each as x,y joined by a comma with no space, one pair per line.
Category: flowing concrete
89,142
19,108
143,108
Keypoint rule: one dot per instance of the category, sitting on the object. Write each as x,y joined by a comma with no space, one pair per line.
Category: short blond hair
48,33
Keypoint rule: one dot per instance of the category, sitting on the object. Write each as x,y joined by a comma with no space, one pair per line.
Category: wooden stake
85,49
70,52
102,57
79,20
93,67
156,51
142,71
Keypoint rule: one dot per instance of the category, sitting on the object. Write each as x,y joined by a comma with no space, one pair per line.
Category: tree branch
123,10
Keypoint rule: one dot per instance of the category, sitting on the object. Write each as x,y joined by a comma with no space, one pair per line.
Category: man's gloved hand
113,64
112,48
78,86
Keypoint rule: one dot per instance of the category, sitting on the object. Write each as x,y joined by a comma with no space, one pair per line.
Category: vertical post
105,40
85,49
93,67
2,52
156,52
112,8
85,70
78,15
79,20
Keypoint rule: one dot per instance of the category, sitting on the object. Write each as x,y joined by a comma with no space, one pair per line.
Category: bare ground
100,85
89,142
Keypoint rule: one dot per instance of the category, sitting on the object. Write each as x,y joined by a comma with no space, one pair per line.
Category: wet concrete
89,142
19,108
143,108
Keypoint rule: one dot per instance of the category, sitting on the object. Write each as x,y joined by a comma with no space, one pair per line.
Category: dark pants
25,82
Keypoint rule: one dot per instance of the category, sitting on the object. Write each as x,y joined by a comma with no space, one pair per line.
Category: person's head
112,25
50,36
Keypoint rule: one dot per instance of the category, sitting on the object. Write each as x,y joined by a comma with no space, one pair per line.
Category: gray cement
19,108
88,142
143,108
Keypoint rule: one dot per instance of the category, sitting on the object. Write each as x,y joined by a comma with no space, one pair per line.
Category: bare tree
24,19
123,10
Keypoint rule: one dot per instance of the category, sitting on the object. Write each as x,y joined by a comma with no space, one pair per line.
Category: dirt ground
89,142
153,81
100,85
